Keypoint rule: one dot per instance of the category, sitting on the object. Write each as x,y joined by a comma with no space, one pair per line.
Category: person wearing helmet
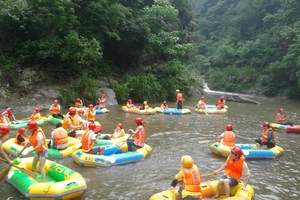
201,103
36,115
78,103
189,176
164,105
59,137
4,131
55,109
235,170
9,115
3,120
267,137
221,103
88,140
37,140
228,136
90,114
179,99
138,135
144,106
20,137
71,122
119,131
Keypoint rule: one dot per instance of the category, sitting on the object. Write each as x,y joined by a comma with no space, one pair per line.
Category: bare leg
219,187
42,167
34,162
227,187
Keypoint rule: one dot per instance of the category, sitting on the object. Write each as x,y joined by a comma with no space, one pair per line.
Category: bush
121,90
85,88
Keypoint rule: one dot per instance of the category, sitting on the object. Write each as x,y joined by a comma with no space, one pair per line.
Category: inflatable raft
209,190
286,128
23,123
112,155
73,144
102,141
54,120
148,111
62,182
250,151
211,111
101,111
173,111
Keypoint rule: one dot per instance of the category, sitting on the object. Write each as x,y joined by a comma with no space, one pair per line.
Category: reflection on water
173,136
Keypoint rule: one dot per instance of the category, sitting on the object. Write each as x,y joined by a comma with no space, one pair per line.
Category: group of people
220,103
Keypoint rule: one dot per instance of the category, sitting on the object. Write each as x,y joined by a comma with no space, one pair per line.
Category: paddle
5,171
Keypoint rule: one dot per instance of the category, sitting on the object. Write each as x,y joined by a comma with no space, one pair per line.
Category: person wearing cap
235,170
37,140
59,137
201,103
118,132
36,115
267,137
179,99
55,109
227,137
20,137
164,105
138,135
144,106
72,122
9,115
220,103
90,114
4,131
88,140
189,176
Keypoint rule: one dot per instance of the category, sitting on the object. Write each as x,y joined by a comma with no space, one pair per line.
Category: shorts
179,105
132,146
43,154
268,144
232,181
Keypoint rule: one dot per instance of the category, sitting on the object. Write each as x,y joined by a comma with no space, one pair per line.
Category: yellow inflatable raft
73,144
148,111
62,182
209,190
211,111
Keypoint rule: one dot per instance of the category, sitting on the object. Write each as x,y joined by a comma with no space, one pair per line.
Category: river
174,136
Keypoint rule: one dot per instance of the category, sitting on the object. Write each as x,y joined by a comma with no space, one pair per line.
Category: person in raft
88,140
9,115
90,114
139,135
36,114
72,122
228,136
220,103
20,137
37,140
281,118
201,103
179,99
235,170
101,103
78,103
3,120
55,109
144,106
4,130
59,137
130,104
189,176
164,105
118,132
267,137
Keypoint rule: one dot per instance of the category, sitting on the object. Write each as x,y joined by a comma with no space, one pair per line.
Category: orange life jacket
234,168
179,97
265,134
34,142
139,136
229,138
3,121
69,120
91,115
35,116
60,136
87,143
191,179
55,109
22,137
220,103
280,118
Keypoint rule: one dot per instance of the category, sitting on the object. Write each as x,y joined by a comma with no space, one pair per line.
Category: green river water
174,136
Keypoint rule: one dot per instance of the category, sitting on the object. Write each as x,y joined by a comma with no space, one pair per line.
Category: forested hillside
250,45
141,46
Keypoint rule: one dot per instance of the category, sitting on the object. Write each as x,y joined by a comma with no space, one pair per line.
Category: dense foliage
113,38
250,44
